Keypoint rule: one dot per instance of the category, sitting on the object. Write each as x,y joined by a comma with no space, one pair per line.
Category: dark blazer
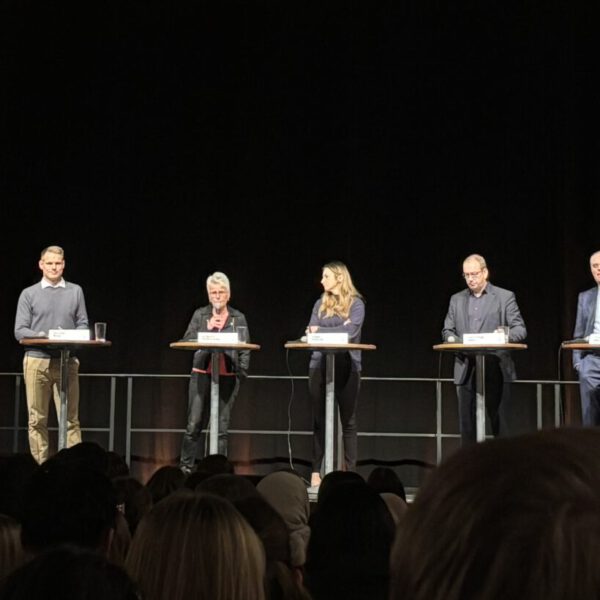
239,362
584,323
502,309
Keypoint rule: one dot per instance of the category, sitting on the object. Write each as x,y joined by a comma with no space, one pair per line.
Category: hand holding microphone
217,320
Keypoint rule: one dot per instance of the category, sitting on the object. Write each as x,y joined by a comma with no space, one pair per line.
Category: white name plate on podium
217,337
594,338
69,335
327,338
484,338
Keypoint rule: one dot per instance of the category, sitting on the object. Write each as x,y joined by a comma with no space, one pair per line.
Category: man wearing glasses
481,308
233,368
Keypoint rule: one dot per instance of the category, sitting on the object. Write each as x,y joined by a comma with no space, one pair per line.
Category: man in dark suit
481,308
587,364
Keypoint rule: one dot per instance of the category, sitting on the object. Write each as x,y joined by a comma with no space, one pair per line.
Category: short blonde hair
53,250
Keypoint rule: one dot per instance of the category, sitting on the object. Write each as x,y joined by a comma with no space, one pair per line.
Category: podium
65,348
571,345
581,345
215,349
479,350
329,350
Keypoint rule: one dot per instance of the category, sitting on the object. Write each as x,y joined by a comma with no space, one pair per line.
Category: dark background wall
157,144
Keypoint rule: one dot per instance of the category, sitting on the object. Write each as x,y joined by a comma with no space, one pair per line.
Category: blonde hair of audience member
196,546
339,303
11,551
508,518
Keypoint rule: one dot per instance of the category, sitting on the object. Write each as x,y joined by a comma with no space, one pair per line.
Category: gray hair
218,278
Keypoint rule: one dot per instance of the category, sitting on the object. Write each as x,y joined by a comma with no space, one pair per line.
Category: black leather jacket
237,362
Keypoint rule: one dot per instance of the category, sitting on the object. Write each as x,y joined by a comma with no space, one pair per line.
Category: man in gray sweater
52,303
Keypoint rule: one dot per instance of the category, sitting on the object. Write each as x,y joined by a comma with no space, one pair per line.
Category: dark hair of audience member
69,573
121,540
349,548
213,464
164,481
11,551
384,479
133,499
508,518
117,466
67,502
196,546
15,471
335,478
232,487
89,454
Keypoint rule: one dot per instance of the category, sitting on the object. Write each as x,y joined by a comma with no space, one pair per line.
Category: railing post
128,421
113,393
538,395
18,380
438,420
557,405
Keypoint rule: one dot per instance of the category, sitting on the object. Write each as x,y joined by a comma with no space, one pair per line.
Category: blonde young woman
340,308
196,546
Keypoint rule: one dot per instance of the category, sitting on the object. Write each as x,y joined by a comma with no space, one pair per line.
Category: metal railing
111,428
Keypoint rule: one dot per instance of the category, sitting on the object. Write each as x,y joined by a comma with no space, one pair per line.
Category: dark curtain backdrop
159,143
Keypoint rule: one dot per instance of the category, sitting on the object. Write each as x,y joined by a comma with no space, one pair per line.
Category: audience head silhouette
384,480
196,546
67,502
334,479
165,481
349,548
69,573
225,485
508,518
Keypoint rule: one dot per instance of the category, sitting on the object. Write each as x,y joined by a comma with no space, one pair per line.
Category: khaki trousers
42,380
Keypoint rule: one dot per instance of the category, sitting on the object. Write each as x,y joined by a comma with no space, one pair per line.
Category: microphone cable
561,408
289,408
289,414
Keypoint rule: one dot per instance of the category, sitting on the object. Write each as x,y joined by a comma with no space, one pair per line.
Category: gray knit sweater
41,309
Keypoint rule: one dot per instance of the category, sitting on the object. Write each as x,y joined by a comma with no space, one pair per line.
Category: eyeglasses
218,293
475,275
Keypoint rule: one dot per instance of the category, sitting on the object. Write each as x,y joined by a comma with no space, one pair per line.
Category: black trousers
467,398
347,387
199,412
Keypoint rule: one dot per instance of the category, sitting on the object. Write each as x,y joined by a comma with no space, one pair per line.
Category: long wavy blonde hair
339,304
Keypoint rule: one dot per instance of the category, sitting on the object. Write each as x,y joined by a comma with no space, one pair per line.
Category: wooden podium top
46,343
455,347
297,345
213,346
579,346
